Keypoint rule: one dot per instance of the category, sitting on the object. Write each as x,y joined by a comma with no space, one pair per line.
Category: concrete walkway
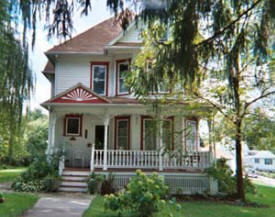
60,205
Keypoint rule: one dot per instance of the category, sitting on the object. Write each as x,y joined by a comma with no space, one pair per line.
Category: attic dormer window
99,77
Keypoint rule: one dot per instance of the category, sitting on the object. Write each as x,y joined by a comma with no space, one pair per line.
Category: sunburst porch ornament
79,95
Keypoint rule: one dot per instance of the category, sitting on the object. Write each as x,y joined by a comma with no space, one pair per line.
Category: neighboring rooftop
261,154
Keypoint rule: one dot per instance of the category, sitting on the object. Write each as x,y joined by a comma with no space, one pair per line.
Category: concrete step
74,184
75,178
75,173
72,189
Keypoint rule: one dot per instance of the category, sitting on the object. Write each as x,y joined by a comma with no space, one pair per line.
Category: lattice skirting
178,183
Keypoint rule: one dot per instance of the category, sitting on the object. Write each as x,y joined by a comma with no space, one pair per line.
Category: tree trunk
11,142
239,171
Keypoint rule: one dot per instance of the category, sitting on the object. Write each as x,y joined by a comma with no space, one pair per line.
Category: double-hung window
122,133
99,78
123,67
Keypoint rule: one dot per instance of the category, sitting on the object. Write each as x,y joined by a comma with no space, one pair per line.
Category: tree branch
213,37
214,105
255,100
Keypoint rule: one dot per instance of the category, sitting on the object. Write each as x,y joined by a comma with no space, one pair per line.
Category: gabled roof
262,154
77,94
91,41
49,69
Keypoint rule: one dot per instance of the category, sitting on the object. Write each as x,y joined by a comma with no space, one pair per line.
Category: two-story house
103,127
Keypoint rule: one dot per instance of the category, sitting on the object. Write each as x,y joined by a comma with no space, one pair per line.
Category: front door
99,136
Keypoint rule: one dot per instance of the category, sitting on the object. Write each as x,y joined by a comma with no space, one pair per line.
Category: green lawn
266,196
8,175
16,203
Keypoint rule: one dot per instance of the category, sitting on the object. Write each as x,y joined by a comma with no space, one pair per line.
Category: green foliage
1,197
107,186
143,195
226,181
33,139
94,183
41,175
17,203
200,208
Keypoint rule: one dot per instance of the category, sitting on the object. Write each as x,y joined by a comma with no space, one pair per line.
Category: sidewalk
60,205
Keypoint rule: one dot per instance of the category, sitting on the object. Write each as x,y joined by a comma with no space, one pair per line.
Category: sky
38,59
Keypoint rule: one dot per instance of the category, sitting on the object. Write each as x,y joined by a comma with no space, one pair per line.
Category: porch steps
74,181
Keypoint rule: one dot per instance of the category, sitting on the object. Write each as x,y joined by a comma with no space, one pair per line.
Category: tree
233,63
234,34
15,78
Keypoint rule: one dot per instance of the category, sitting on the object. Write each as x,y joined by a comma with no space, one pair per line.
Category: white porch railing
148,160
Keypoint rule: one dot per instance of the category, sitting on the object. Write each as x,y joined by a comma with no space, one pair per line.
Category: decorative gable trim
78,94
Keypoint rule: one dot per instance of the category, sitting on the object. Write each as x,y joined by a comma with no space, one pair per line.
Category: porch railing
148,159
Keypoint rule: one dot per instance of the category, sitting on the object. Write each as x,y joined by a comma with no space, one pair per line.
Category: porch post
160,144
51,136
106,124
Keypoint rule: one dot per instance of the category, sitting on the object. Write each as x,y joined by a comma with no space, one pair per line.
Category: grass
9,174
16,203
265,196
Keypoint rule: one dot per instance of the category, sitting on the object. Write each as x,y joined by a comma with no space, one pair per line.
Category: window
161,88
257,160
149,134
99,78
191,135
122,134
268,161
122,70
73,125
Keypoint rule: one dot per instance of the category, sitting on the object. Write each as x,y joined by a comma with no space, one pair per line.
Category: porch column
106,124
51,136
160,144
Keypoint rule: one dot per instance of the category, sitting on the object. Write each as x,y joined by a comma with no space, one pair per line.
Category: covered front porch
116,140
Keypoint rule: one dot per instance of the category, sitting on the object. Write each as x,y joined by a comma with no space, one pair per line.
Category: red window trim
129,126
144,117
107,75
117,63
197,132
65,124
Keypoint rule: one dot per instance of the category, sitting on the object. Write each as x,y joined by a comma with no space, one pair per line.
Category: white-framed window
73,125
122,134
99,78
191,135
268,161
149,138
257,160
123,67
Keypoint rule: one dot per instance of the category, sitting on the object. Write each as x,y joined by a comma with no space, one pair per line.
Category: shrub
1,198
107,186
143,195
50,183
94,183
41,175
226,181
